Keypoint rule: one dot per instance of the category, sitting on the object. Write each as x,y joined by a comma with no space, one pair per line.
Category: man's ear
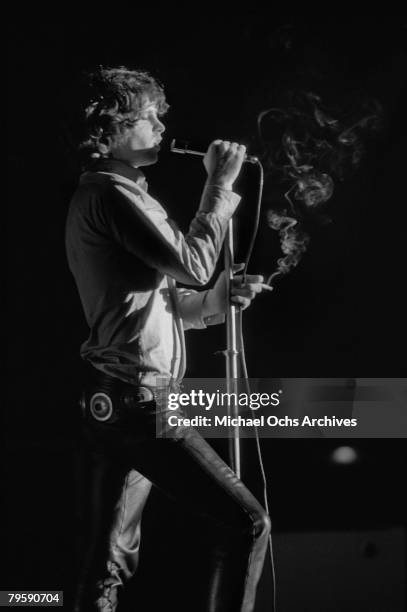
105,144
104,147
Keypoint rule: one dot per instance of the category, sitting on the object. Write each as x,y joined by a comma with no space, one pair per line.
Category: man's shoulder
92,185
87,206
108,186
89,194
107,198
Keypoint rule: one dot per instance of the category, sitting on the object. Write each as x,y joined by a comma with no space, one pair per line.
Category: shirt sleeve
141,226
192,308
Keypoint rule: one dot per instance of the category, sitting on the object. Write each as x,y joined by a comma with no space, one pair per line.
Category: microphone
182,146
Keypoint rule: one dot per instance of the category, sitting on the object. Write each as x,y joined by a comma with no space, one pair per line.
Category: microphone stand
231,352
231,355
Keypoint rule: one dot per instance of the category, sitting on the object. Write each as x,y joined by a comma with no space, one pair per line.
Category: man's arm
193,310
199,309
140,225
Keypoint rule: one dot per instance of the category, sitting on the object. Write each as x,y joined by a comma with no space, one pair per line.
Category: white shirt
126,257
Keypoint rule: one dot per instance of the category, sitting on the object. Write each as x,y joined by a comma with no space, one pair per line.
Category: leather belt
105,398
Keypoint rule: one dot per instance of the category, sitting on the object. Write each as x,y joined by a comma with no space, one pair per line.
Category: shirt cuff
212,309
197,312
214,319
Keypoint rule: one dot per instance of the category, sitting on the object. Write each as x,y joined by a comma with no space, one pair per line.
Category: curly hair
114,101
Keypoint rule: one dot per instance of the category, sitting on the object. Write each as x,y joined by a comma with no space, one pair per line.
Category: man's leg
125,533
114,503
189,471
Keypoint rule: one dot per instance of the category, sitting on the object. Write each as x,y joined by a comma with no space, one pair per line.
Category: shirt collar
118,167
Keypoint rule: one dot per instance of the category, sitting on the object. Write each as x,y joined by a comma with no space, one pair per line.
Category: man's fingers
249,278
240,301
241,289
244,288
224,146
249,292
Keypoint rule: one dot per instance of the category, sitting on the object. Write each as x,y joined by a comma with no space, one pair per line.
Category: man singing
127,258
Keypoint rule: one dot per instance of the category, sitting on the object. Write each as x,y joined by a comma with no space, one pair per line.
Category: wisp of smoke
305,148
293,242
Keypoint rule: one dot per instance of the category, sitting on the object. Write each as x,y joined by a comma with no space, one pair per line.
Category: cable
259,454
246,377
256,220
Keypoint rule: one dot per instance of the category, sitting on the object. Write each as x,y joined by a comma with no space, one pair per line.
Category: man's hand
223,162
242,292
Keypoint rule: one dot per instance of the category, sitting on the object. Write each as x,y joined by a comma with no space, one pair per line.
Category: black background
341,313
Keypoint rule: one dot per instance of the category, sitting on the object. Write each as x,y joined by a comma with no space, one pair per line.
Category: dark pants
186,468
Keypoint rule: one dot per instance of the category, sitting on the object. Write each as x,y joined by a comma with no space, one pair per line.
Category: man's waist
94,378
104,396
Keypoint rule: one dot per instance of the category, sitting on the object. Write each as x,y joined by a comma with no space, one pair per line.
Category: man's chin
149,157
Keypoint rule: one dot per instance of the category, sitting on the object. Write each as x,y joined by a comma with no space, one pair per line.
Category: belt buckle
139,396
144,394
101,406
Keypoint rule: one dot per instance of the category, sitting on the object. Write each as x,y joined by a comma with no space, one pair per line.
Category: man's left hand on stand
242,291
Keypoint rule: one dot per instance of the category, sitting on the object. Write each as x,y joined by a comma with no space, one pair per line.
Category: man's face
139,145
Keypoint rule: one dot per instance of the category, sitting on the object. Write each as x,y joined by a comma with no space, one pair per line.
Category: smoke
293,242
306,148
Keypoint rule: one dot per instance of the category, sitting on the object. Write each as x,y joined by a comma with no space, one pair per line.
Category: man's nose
159,127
